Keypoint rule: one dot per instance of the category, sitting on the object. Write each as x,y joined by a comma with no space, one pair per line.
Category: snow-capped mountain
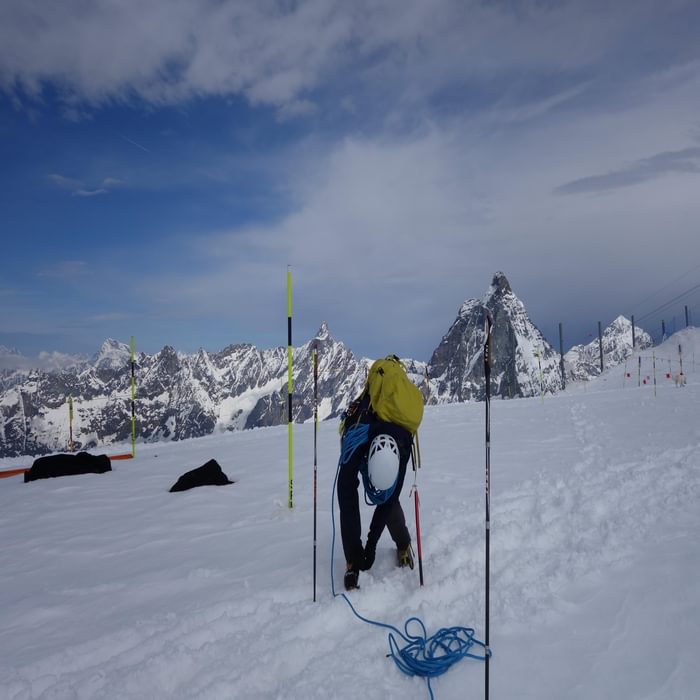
181,395
524,363
177,395
583,361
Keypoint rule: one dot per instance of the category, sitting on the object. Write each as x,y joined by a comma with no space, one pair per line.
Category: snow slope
111,587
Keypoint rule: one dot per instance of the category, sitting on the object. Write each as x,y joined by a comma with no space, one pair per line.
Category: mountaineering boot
351,578
405,556
370,554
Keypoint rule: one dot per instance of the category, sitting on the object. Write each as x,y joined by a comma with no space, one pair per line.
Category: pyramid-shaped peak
499,284
322,333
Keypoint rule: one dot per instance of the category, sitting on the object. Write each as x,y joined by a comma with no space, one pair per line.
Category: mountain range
180,396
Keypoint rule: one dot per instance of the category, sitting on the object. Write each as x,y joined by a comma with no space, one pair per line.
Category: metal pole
634,337
133,400
415,461
600,342
488,349
687,322
314,357
70,423
289,381
639,371
561,357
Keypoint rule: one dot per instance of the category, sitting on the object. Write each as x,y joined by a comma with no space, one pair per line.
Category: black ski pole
488,349
314,356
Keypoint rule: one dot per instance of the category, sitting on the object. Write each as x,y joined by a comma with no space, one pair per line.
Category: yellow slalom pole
289,378
133,400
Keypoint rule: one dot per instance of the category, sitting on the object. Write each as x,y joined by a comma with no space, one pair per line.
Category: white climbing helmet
383,462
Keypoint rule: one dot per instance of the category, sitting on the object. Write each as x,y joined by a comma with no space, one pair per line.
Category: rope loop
422,655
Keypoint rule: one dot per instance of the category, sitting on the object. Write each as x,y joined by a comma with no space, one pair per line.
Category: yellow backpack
393,396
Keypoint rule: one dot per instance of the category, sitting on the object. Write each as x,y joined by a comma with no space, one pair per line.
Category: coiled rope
353,438
423,656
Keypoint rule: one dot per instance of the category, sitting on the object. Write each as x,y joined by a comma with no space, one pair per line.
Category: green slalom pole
133,400
289,379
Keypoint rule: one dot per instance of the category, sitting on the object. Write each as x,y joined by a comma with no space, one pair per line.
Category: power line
669,303
665,286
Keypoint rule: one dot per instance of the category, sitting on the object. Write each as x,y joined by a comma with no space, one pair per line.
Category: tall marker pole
133,400
488,350
289,378
314,359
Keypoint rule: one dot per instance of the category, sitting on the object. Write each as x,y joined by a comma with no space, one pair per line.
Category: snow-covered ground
111,587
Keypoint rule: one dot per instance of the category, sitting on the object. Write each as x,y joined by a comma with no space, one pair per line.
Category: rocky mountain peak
499,286
179,396
322,333
112,355
456,367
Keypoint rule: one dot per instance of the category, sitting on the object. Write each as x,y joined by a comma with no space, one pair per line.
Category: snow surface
111,587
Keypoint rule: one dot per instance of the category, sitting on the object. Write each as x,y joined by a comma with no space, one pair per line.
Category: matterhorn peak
499,285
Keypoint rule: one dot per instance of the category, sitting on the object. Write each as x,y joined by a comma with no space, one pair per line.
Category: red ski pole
415,459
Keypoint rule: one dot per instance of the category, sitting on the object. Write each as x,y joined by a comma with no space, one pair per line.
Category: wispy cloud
89,193
684,161
281,54
65,270
110,317
65,183
11,359
77,188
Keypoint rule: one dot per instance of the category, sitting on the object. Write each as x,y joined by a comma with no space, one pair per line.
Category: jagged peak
467,307
499,285
322,333
111,355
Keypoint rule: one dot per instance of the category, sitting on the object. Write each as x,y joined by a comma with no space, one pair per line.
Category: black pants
388,514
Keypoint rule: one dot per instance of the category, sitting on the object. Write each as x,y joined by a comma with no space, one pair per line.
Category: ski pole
420,551
314,357
415,459
289,385
70,423
488,349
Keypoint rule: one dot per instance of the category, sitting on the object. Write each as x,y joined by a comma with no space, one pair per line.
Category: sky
111,587
163,166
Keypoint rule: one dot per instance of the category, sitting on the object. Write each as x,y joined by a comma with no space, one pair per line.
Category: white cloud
77,188
278,53
89,193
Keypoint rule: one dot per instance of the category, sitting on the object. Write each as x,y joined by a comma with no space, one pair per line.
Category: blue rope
353,438
422,656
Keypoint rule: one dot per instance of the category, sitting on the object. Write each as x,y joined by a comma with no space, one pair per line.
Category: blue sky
161,167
